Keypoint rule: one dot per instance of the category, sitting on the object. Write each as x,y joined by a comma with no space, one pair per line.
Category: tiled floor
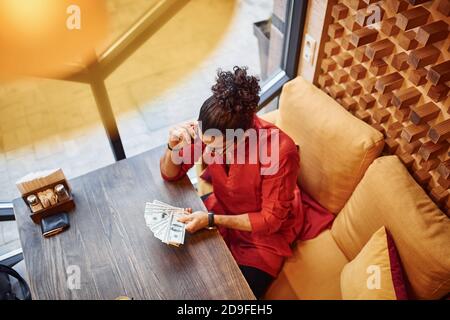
51,123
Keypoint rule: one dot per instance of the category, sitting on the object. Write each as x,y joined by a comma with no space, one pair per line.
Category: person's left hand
195,221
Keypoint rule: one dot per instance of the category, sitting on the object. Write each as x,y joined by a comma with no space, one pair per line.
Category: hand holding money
162,220
194,221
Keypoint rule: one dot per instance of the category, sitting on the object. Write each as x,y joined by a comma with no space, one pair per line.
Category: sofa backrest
388,196
335,147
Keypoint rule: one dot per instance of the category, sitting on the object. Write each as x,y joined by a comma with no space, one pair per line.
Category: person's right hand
181,135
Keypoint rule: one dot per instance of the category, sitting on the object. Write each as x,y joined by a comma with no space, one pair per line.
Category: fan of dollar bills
161,218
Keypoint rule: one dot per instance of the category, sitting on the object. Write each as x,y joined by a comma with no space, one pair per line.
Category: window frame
295,22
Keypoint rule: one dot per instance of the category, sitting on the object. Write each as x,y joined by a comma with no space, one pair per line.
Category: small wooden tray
63,206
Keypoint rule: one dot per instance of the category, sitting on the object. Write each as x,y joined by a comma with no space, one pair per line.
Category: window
287,47
169,88
157,69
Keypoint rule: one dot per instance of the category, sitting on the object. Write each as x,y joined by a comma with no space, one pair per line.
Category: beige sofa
341,169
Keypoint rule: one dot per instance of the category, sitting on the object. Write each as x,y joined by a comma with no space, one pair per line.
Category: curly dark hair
234,101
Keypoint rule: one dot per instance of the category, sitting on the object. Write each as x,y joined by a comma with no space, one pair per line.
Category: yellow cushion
270,116
313,272
369,275
336,148
203,187
389,196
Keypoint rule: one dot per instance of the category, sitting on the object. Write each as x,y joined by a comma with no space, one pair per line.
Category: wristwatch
211,224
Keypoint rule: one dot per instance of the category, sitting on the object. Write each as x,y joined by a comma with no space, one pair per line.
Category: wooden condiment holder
63,206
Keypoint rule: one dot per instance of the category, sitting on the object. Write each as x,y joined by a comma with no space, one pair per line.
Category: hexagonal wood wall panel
394,74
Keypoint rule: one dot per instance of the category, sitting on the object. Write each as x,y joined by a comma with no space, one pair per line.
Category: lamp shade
50,38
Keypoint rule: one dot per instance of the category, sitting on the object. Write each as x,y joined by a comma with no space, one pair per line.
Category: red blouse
279,213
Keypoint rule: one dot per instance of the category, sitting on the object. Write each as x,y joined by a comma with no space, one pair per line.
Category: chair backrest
388,196
6,211
335,147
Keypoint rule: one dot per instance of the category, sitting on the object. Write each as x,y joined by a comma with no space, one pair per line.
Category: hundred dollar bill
162,219
175,231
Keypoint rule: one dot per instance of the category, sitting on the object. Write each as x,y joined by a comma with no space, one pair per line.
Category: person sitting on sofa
257,206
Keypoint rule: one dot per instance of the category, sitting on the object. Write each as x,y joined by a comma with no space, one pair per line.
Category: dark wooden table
116,253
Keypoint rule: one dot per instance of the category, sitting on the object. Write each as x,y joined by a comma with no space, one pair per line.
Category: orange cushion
203,186
336,148
313,272
375,273
389,196
270,116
